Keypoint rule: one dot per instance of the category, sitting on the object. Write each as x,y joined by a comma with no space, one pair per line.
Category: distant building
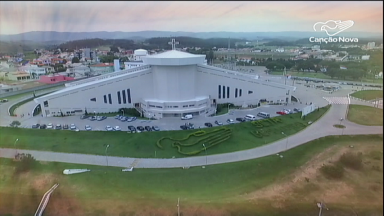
50,79
9,88
371,45
280,50
18,76
102,68
316,48
365,57
343,68
35,71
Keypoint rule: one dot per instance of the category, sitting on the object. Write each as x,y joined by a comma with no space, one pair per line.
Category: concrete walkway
321,128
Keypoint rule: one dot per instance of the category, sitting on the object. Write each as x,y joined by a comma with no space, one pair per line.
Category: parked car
99,118
183,127
132,128
288,111
65,127
148,128
58,127
35,126
297,110
88,128
187,117
84,117
140,128
281,113
208,124
4,100
103,117
108,128
43,126
218,122
240,119
117,116
73,127
123,118
155,128
93,118
50,126
230,121
117,128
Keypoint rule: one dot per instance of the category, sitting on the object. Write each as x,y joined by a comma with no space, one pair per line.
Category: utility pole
178,206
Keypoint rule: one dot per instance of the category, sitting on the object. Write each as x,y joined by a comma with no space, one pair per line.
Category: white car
109,128
73,127
117,128
50,126
230,121
88,128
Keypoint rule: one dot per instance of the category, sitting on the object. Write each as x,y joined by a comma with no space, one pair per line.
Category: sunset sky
19,17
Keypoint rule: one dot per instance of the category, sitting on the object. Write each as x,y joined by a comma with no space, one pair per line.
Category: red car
281,113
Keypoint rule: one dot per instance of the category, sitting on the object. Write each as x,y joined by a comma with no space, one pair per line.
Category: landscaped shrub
352,160
332,171
199,133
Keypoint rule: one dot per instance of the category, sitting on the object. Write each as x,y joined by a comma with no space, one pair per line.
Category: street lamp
321,205
122,110
14,145
206,157
106,156
94,112
228,107
286,143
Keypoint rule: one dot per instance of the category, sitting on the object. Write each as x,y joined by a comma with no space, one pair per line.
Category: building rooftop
102,65
173,54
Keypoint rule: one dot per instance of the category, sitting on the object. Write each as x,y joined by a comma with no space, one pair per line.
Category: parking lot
164,124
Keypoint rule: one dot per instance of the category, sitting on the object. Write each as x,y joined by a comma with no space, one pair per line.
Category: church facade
169,84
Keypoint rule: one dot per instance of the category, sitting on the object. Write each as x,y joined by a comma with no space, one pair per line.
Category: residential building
102,68
371,45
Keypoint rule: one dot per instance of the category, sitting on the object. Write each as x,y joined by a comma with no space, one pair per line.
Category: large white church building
169,84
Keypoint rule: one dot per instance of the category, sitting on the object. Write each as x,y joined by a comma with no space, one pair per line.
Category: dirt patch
308,185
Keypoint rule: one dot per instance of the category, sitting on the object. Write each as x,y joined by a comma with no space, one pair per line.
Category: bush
332,171
352,160
130,112
26,163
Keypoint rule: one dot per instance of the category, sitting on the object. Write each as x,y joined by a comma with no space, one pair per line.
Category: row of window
224,92
122,96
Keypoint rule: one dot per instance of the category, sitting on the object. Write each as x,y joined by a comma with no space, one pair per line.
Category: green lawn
28,93
365,115
143,145
224,110
160,187
368,94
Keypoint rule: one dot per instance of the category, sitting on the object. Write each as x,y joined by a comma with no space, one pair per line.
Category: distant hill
46,36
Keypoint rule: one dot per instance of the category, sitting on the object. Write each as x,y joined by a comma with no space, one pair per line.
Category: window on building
223,91
235,92
93,99
227,92
110,98
124,97
175,106
240,93
129,95
45,103
185,105
105,98
118,97
250,92
151,105
159,107
219,91
191,105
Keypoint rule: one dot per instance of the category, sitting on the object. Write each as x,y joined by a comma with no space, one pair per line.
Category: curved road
321,128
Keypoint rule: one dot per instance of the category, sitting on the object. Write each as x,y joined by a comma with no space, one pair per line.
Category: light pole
106,155
14,145
122,111
228,107
206,157
286,142
321,205
178,206
342,130
94,112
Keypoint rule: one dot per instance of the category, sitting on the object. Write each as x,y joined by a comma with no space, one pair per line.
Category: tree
75,60
26,163
15,124
114,49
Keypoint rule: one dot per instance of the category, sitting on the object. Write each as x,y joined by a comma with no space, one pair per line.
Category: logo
333,26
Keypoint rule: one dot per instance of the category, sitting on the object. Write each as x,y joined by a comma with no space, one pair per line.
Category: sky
201,16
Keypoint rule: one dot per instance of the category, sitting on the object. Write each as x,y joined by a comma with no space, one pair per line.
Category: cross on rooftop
173,43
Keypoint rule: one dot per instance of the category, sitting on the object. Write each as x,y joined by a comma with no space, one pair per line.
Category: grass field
320,75
241,188
368,94
143,145
365,115
28,93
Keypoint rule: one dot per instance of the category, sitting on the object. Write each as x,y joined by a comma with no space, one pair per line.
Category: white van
250,117
187,117
263,115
